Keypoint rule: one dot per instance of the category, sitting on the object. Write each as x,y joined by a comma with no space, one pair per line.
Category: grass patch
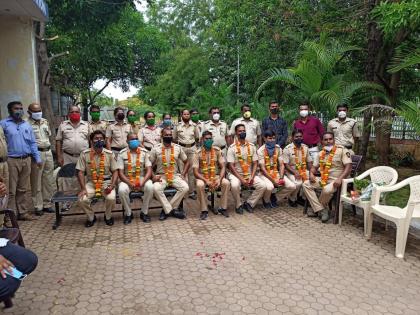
398,198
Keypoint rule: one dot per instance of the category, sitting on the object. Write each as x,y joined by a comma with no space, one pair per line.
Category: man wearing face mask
97,175
149,135
41,178
276,123
218,129
334,165
195,118
346,130
209,170
22,148
252,126
96,123
312,130
116,133
135,173
297,162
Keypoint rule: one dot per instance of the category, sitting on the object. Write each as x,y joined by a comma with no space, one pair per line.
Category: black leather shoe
48,210
179,213
204,215
163,215
38,212
292,203
89,223
223,212
301,201
145,217
128,218
239,210
214,210
247,207
109,222
266,205
274,204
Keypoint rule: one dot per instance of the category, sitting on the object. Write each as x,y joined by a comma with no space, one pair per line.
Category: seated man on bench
209,170
165,158
101,172
334,165
135,173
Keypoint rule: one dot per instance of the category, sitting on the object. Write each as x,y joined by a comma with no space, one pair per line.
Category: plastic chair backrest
414,189
67,171
383,174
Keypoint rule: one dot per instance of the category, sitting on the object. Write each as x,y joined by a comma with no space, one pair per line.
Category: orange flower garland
300,166
97,180
326,165
271,168
244,164
209,172
169,167
136,179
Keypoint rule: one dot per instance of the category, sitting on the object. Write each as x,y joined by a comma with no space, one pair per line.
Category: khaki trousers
42,184
19,184
179,184
321,203
70,184
84,203
285,191
190,155
4,176
202,196
235,186
124,193
298,184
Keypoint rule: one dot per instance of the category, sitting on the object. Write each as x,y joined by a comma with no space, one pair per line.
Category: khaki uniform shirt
118,134
156,157
197,161
136,126
252,128
84,164
290,158
341,157
232,157
122,163
261,156
149,137
98,125
74,139
42,132
186,133
3,144
219,132
344,132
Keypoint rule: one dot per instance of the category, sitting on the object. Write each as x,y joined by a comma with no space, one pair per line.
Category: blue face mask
271,146
133,144
99,144
242,135
167,122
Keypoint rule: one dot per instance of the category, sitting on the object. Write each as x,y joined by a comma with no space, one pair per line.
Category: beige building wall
18,69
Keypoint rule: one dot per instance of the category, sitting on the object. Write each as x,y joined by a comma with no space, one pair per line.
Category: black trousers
23,259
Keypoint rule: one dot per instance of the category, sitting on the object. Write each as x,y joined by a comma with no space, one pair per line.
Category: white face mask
328,147
304,113
216,117
36,116
342,114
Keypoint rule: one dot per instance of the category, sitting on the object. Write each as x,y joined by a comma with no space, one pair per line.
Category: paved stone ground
268,262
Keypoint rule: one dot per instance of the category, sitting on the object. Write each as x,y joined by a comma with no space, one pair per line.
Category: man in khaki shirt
335,165
133,179
166,158
92,184
4,169
209,170
297,173
252,126
96,123
149,135
242,161
116,133
218,129
346,130
187,134
41,177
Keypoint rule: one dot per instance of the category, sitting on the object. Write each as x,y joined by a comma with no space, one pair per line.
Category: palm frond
410,110
276,75
404,60
325,101
350,89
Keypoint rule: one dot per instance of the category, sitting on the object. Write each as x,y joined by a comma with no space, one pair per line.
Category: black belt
44,149
148,149
348,147
20,157
312,145
3,159
187,145
71,154
116,149
222,148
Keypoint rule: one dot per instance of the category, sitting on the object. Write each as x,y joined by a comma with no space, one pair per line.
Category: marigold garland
300,166
272,168
244,164
326,165
97,180
136,179
169,168
209,171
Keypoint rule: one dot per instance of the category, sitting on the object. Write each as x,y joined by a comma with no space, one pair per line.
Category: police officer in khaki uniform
270,159
218,129
242,162
96,123
195,118
149,135
132,120
133,179
346,130
187,134
91,164
292,153
166,158
116,133
252,126
41,178
4,169
209,170
335,165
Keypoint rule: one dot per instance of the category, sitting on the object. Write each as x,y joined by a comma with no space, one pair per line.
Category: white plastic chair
401,217
379,174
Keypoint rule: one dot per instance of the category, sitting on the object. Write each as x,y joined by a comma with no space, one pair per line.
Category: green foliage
410,110
360,184
102,99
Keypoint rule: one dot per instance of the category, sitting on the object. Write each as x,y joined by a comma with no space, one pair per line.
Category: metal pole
237,74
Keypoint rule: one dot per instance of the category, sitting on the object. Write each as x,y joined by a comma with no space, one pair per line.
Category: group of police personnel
191,156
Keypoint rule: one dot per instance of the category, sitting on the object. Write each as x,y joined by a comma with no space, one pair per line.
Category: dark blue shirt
279,126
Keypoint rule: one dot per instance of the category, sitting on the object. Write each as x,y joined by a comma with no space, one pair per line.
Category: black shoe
48,210
274,204
89,223
178,213
292,203
214,210
266,205
247,207
38,212
109,222
163,216
301,201
223,212
204,215
145,217
273,199
128,218
239,210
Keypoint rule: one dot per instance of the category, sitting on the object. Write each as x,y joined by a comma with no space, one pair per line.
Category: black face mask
242,135
120,116
274,110
167,140
99,144
298,142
